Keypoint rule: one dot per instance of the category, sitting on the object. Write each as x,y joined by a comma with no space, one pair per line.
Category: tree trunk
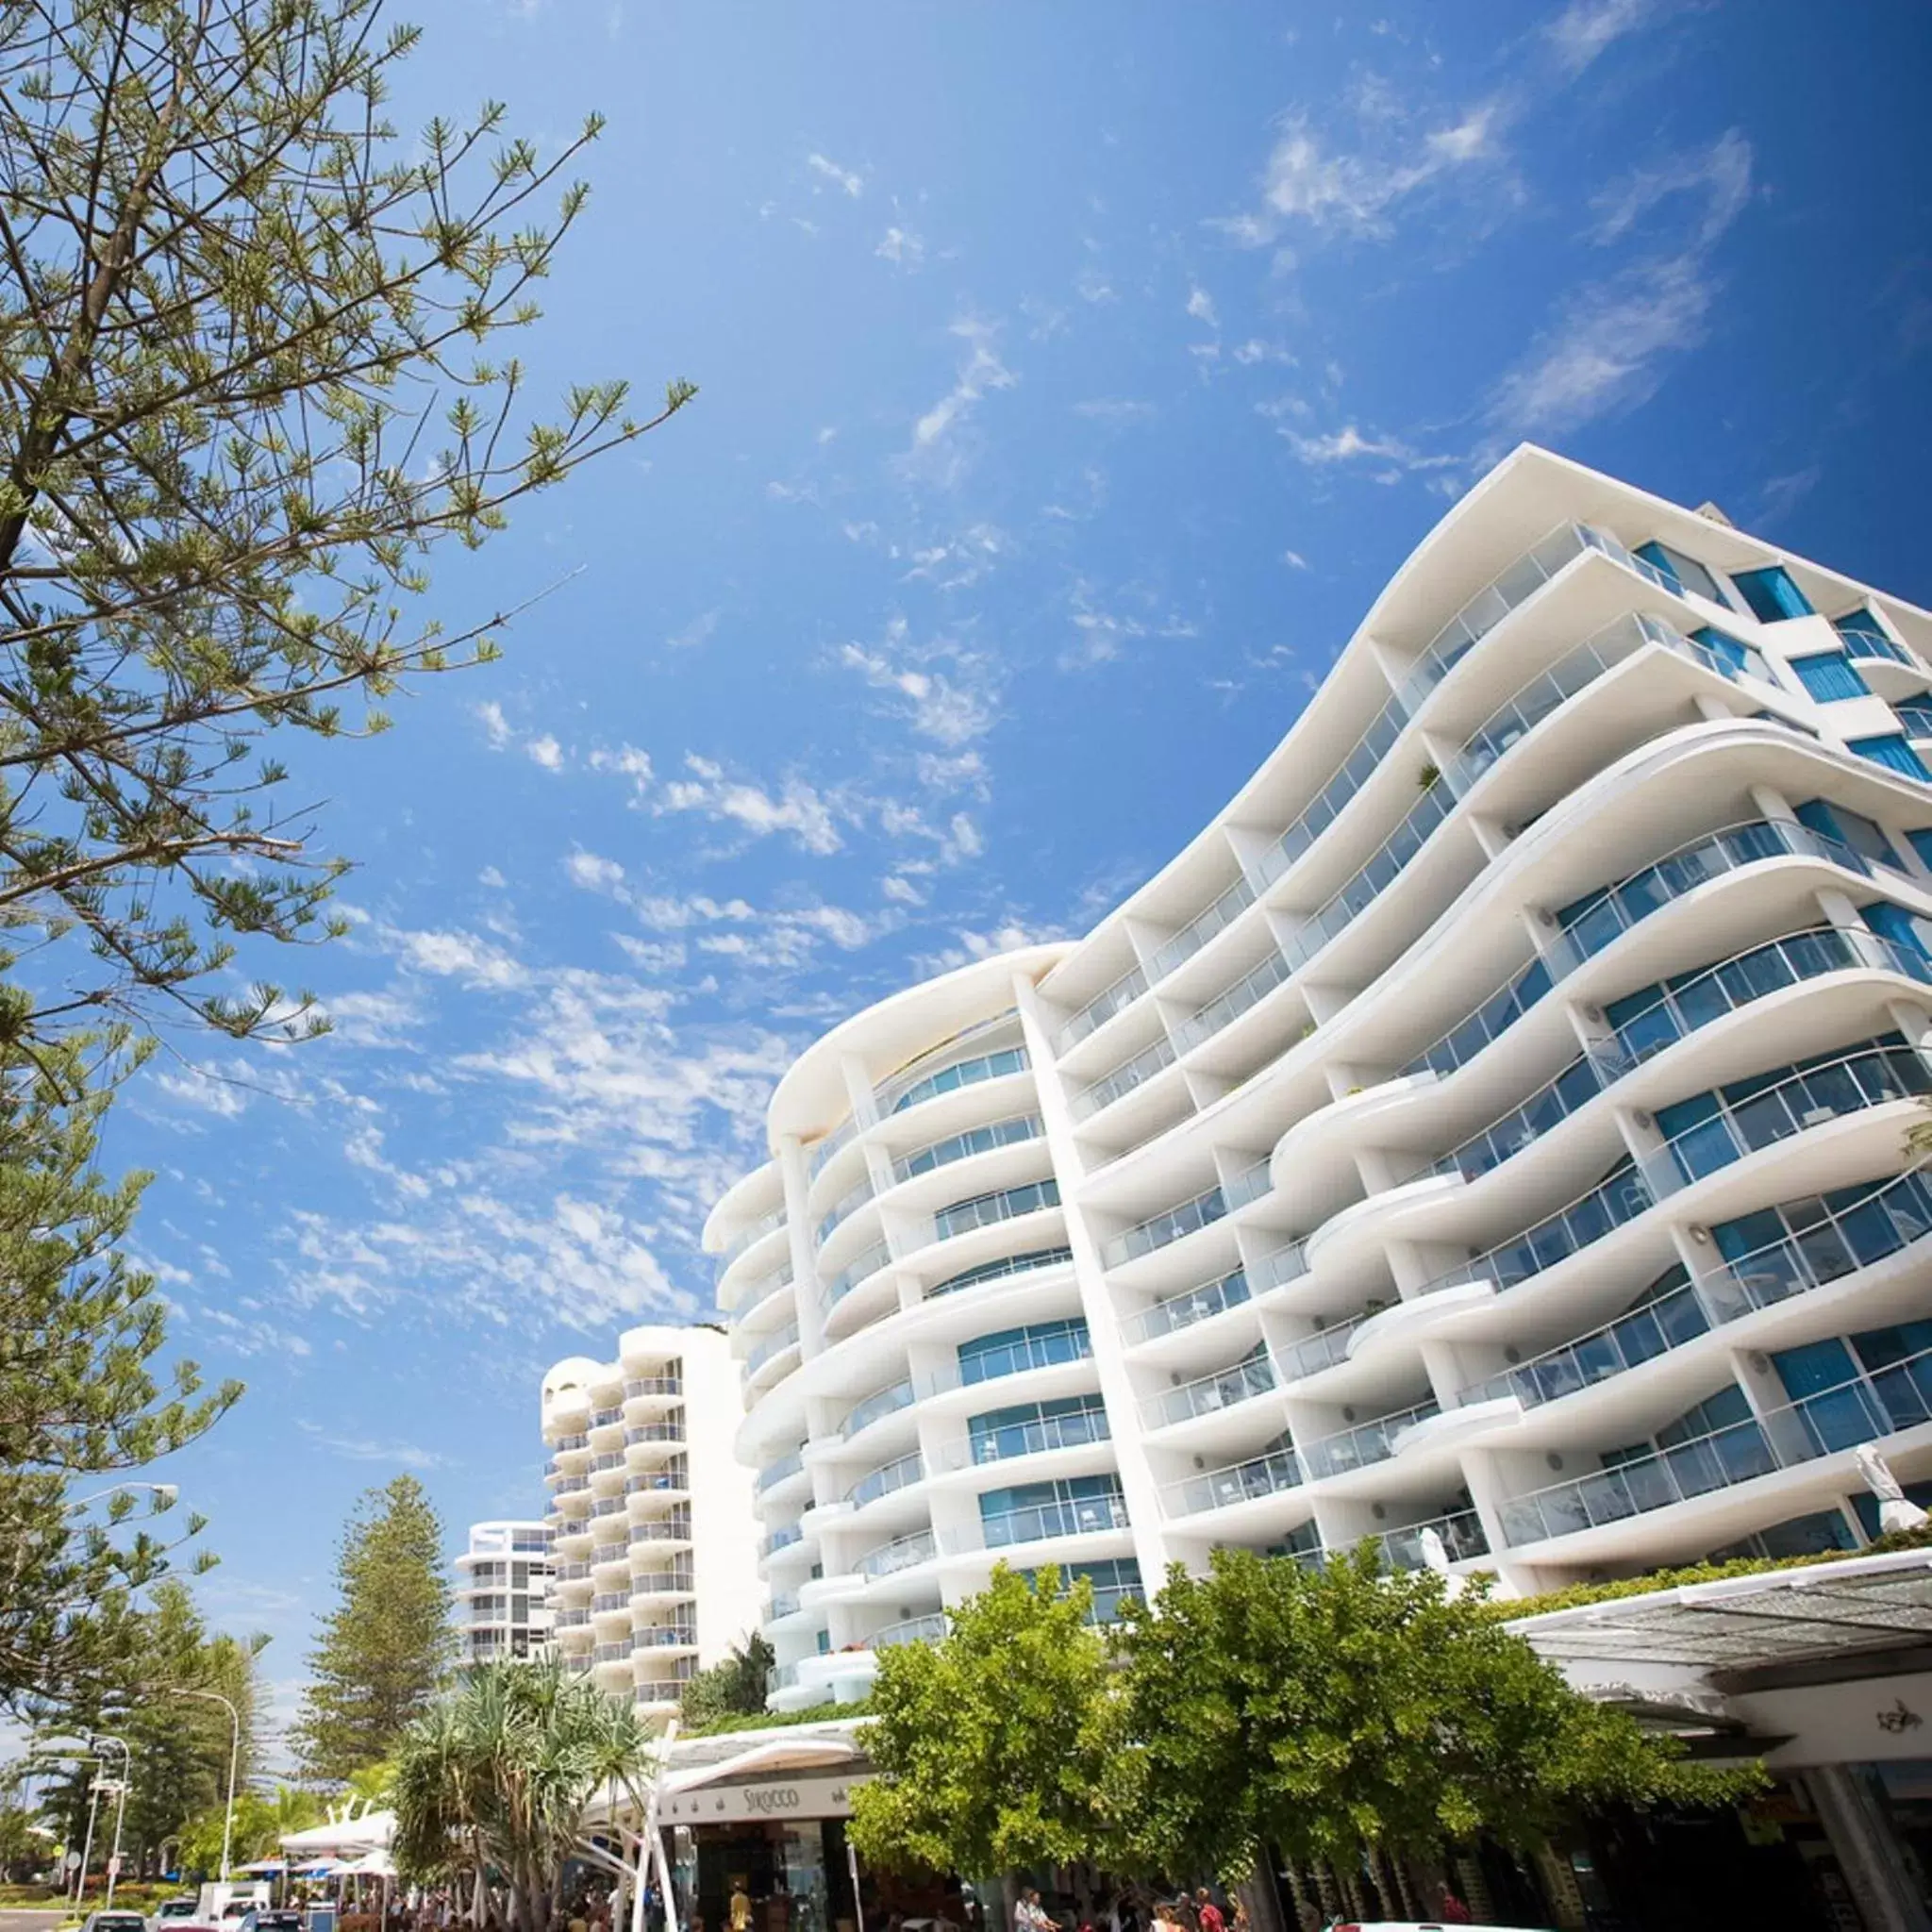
1009,1899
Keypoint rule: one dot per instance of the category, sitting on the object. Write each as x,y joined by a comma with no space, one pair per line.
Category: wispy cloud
900,247
372,1449
1586,27
952,712
826,170
799,809
981,371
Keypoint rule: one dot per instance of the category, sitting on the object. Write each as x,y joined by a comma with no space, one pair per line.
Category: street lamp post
87,1843
234,1758
120,1809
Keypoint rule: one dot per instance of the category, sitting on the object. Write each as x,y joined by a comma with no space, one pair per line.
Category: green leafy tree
1334,1710
734,1687
250,376
490,1784
385,1647
260,1824
999,1747
81,1394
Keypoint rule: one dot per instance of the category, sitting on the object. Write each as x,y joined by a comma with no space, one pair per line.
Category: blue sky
1071,377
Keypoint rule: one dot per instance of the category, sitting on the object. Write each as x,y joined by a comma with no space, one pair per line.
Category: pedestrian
1449,1909
740,1909
1209,1912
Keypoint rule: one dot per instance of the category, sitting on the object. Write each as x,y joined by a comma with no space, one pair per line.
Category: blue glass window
1733,651
1800,1536
1894,923
1915,714
1920,842
1845,827
1865,1505
1893,752
1685,573
1828,674
1772,595
1860,623
1014,1349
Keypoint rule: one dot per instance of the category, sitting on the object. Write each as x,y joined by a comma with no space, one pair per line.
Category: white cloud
546,752
495,726
1114,409
1586,27
951,713
981,371
595,875
1721,174
455,956
372,1449
830,170
902,248
1294,560
700,630
628,761
1348,443
1304,182
1201,306
491,877
800,810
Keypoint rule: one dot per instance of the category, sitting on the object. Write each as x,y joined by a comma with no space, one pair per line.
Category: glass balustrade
875,1408
1006,1133
1191,1306
926,1630
1861,641
782,1537
1640,1336
1267,1474
1476,1030
785,1604
1000,1269
1319,1351
991,1066
1102,1007
661,1582
610,1654
607,1505
664,1635
1364,1444
883,1482
845,1205
606,1417
774,1474
653,1432
639,1385
1248,1185
758,1296
565,1444
1233,1001
755,1231
1120,1080
1866,1407
902,1553
1253,1375
611,1553
822,1151
988,1210
1462,1533
1213,919
1072,1429
608,1600
1281,1265
1620,1197
1748,1116
772,1346
1815,1241
1171,1225
781,1677
1364,759
1582,1081
1042,1522
857,1270
670,1530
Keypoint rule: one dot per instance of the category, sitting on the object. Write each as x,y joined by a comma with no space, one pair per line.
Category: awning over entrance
1824,1612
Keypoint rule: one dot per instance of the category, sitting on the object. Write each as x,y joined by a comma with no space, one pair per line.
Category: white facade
656,1540
1492,1122
503,1590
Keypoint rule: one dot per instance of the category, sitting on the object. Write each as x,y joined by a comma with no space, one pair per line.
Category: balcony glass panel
926,1630
1865,636
900,1553
783,1537
1122,1079
1202,928
1267,1474
1044,1344
989,1066
882,1482
1462,1535
1033,1428
822,1151
986,1210
1364,758
1620,1196
1488,1022
1281,1265
844,1206
1233,1001
1171,1225
998,1270
652,1385
1319,1351
1365,1443
1067,1512
1191,1306
1663,1322
654,1432
1582,1079
755,1231
1103,1005
855,1270
774,1474
1251,1376
774,1345
1006,1133
883,1402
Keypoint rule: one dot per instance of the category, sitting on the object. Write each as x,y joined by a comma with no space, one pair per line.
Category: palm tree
492,1783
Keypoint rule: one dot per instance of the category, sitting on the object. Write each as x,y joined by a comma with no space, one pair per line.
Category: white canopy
347,1837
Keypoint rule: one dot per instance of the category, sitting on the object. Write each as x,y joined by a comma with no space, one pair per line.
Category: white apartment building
655,1539
1494,1122
502,1595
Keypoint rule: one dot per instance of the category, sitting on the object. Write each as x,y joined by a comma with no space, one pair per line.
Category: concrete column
1867,1851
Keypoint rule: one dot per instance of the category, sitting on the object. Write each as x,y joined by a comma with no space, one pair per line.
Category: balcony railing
822,1151
611,1553
991,1066
1042,1522
1072,1429
1319,1351
858,1269
755,1231
1170,1224
1861,642
775,1472
1866,1407
782,1537
654,1432
881,1402
1223,1390
1210,920
668,1530
848,1204
1102,1007
1122,1079
661,1582
664,1635
1191,1306
607,1459
1639,1336
1267,1474
652,1385
610,1654
1006,1133
782,1676
784,1604
897,1475
999,1270
988,1210
1620,1197
1462,1535
774,1345
564,1444
926,1630
1364,1444
1279,1266
607,1506
1364,758
1476,1030
902,1553
606,1417
607,1600
757,1295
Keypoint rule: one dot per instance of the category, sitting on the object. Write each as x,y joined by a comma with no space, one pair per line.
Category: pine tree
384,1648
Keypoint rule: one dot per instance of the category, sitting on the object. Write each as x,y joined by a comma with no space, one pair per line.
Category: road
12,1920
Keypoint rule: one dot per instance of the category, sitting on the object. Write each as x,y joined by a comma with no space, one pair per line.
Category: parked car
170,1913
114,1922
1414,1925
283,1919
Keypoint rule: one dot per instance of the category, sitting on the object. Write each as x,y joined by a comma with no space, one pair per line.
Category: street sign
114,1865
72,1861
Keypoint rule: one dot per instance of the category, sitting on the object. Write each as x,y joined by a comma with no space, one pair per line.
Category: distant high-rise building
1487,1137
503,1590
655,1535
